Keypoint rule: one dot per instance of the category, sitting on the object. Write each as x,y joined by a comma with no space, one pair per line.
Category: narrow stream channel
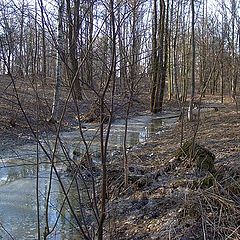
18,208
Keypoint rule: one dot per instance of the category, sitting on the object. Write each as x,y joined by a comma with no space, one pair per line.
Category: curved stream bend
18,210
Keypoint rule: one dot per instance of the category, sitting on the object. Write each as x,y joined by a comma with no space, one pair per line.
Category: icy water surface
18,204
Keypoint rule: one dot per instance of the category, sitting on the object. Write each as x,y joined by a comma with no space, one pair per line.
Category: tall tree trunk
73,33
154,56
233,75
176,55
160,55
90,46
44,59
190,110
59,67
110,82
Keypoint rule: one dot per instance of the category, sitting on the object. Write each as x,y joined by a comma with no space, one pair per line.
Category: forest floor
27,109
170,198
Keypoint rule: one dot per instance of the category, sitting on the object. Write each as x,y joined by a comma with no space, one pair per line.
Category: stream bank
18,176
172,205
163,207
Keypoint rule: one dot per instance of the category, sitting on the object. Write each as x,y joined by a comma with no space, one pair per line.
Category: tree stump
201,156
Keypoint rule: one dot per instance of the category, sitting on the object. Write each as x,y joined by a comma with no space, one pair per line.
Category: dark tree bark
190,110
159,55
44,59
73,34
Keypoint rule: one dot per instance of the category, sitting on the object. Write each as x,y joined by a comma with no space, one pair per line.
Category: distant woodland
173,49
109,53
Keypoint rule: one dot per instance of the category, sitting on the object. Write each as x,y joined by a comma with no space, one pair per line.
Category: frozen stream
18,208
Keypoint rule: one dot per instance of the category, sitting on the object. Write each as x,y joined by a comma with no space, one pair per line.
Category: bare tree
59,65
159,55
190,110
73,14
